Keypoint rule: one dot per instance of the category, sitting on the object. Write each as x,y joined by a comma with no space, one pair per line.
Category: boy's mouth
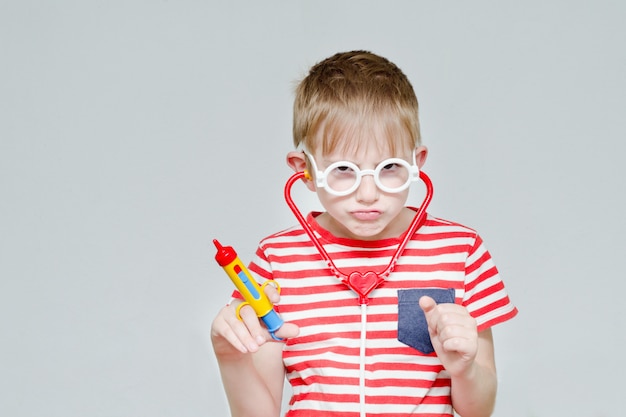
366,215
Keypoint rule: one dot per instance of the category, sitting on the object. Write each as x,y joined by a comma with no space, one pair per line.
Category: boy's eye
390,166
344,169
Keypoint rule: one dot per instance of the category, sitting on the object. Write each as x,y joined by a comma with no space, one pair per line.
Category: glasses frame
321,177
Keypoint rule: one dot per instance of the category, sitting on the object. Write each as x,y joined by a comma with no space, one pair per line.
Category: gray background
134,132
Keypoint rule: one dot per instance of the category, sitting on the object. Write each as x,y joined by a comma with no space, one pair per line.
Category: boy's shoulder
292,235
432,221
443,231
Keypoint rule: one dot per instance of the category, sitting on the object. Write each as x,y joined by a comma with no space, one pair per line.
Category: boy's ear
421,153
297,161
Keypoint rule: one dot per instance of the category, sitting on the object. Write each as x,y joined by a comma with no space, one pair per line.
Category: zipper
362,360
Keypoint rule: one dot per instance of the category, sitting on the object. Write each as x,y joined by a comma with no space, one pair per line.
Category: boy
421,343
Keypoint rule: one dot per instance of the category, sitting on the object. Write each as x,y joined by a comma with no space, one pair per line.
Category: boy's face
368,213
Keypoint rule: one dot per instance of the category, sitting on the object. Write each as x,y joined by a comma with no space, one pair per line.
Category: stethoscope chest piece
363,284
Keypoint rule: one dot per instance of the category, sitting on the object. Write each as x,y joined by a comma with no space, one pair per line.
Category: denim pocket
412,326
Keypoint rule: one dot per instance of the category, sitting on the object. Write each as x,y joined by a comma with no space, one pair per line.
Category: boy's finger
288,330
272,293
427,304
252,325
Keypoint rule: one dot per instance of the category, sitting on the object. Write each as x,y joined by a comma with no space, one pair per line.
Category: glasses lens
341,176
393,175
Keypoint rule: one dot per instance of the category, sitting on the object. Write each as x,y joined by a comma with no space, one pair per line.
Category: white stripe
363,358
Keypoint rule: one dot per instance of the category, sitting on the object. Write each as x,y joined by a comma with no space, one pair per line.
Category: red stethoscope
361,283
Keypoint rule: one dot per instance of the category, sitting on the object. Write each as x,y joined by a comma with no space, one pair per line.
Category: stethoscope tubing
418,220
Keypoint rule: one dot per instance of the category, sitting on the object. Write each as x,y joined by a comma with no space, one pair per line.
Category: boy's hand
453,333
231,335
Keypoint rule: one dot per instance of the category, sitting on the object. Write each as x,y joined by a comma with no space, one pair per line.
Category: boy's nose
367,191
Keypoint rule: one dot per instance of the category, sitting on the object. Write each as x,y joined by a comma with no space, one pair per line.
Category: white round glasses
341,178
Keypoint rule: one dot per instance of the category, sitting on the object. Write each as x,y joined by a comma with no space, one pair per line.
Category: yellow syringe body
251,291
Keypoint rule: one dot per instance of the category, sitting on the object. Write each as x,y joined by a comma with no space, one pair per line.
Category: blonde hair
349,94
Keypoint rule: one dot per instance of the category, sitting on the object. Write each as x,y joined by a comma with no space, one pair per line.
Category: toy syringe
251,291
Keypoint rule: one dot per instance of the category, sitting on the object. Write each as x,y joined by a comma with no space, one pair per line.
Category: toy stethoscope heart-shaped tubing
360,283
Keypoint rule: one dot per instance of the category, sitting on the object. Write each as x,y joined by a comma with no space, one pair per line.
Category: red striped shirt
322,362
